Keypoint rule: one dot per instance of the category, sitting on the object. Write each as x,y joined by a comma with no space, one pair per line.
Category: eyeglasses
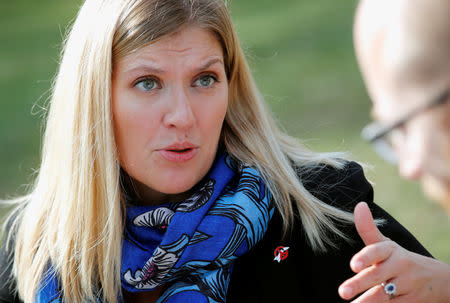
382,137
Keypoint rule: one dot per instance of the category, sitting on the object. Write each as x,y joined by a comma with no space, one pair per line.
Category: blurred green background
302,58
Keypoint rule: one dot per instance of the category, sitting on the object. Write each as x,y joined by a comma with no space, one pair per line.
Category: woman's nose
180,112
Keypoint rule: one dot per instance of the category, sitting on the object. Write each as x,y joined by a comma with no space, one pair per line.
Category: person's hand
416,278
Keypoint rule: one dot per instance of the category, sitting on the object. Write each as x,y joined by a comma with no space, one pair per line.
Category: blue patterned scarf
189,247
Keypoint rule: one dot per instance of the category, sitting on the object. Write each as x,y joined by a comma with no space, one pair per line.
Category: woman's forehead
190,44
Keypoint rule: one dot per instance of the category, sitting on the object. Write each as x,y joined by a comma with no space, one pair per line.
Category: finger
367,279
365,225
377,294
407,291
399,295
372,254
374,294
359,283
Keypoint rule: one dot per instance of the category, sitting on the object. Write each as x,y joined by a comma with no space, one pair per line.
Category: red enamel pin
281,253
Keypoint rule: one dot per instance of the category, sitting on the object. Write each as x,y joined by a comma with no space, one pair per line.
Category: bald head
403,49
406,43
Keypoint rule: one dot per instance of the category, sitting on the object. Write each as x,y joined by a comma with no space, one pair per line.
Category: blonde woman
165,179
405,61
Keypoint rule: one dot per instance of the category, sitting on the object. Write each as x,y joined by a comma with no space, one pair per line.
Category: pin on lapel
281,253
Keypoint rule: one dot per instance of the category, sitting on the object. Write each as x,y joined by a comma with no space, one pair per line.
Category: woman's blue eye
205,81
146,84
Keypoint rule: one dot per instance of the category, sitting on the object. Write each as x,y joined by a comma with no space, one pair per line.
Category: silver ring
390,289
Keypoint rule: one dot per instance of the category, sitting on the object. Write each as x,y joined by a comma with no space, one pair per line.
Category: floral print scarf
188,248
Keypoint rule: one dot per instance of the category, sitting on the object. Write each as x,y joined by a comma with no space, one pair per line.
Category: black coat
303,276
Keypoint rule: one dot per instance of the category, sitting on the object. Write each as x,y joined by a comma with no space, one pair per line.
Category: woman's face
169,101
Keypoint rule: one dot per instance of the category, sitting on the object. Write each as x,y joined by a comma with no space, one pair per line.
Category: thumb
365,225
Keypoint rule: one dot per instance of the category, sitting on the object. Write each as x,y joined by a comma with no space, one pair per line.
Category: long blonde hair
73,216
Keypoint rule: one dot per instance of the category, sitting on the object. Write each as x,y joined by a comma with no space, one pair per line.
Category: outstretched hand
417,278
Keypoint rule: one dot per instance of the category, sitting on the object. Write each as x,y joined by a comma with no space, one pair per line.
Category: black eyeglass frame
441,99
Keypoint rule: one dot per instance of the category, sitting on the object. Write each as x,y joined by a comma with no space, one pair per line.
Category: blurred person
165,179
403,49
405,61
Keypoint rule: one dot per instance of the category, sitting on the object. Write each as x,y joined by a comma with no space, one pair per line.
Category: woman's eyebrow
149,67
144,67
209,62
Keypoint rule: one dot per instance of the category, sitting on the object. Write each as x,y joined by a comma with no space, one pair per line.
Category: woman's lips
178,153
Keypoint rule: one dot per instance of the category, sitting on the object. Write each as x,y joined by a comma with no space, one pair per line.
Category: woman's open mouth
179,152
